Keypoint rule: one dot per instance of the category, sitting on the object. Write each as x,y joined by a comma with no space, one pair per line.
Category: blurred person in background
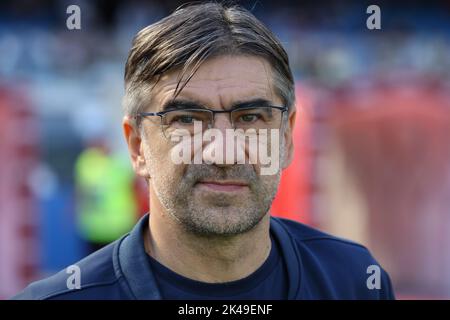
106,207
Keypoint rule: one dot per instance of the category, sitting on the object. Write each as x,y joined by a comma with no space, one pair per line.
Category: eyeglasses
267,117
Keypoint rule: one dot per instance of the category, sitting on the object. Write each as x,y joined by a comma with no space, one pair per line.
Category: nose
225,144
222,121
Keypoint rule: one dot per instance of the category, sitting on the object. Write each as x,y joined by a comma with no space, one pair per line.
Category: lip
224,186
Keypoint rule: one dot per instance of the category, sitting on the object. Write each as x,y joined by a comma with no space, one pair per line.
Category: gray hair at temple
192,34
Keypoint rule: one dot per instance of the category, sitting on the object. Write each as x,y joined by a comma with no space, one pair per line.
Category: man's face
211,199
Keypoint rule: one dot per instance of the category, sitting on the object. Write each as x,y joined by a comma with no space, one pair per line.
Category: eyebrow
180,104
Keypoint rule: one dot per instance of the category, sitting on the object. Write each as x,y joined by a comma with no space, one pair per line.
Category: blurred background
372,161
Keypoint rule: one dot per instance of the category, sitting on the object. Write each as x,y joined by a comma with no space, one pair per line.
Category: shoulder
82,280
341,261
309,236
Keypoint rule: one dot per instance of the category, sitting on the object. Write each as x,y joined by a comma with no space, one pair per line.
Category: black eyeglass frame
214,112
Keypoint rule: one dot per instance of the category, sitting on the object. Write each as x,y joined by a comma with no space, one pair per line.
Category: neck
205,258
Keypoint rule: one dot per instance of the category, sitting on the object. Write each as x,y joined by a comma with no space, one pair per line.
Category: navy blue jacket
319,266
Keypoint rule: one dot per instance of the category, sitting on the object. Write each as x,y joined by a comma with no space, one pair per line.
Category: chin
219,220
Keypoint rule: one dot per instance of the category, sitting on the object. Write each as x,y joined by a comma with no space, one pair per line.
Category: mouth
222,185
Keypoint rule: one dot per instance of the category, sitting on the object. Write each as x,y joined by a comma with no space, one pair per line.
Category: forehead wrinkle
262,88
260,91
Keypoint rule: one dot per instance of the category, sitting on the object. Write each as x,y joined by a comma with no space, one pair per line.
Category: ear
289,138
135,146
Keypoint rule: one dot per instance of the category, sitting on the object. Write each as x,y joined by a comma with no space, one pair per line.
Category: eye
186,119
249,118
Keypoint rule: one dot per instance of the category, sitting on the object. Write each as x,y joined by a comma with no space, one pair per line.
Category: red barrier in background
396,142
294,193
18,215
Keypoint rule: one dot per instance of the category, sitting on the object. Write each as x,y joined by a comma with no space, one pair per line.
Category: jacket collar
131,262
290,255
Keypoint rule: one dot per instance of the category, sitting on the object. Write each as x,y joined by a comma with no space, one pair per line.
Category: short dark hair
194,33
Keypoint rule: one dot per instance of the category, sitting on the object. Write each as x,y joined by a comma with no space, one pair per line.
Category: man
209,234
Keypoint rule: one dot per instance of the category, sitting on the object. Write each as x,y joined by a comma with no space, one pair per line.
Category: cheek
160,163
268,154
270,180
